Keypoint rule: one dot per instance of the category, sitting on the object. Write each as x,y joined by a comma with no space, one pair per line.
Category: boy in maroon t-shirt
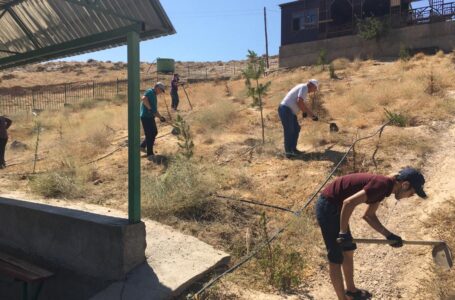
335,206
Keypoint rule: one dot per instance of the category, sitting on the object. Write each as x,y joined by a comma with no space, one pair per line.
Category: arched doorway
375,8
341,12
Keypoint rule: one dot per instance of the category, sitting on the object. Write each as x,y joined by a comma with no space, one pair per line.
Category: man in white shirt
295,101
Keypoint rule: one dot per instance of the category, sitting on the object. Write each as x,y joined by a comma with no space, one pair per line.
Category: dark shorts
328,216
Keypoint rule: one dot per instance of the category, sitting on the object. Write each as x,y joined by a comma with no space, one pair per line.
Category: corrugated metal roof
38,30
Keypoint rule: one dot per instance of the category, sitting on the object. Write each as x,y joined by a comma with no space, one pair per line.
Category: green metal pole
134,164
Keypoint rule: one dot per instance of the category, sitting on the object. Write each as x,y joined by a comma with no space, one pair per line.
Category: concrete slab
174,262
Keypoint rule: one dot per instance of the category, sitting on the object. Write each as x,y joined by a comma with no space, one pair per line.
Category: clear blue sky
209,31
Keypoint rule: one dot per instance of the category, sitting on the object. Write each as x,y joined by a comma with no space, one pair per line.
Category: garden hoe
186,94
333,127
442,256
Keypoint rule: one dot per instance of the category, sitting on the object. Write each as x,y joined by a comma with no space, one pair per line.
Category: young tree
256,90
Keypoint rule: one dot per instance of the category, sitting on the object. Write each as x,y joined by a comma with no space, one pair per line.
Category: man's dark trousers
175,99
291,128
2,151
150,131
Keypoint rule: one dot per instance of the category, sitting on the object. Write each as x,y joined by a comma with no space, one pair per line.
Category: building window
306,19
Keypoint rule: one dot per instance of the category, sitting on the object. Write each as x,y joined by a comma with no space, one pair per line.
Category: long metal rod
187,98
134,164
382,241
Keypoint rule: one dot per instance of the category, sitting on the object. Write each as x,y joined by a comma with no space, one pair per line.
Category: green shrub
282,264
372,28
396,119
405,54
322,58
182,129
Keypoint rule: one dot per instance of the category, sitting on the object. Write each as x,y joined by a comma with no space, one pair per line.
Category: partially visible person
5,123
149,111
174,91
295,101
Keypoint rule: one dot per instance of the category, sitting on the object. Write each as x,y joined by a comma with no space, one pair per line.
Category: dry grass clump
341,63
182,191
418,56
215,116
68,182
416,142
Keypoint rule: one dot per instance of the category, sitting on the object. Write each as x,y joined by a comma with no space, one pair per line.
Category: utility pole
266,39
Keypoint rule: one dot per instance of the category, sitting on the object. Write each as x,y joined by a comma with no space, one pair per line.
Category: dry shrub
418,56
215,116
341,63
356,64
68,182
182,191
440,54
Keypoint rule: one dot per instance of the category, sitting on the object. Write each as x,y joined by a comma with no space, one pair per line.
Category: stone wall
84,243
440,35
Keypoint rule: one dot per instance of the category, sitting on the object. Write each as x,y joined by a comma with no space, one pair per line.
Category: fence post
188,70
33,100
234,68
206,74
117,86
65,91
93,88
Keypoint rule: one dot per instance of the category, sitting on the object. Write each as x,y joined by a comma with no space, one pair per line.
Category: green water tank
165,65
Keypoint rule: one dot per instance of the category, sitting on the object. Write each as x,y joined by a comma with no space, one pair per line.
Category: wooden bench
31,276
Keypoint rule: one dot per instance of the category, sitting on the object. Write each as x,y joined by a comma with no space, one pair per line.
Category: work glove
315,118
398,242
304,115
345,240
162,119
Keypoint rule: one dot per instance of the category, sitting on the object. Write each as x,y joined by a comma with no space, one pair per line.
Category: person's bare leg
348,270
337,280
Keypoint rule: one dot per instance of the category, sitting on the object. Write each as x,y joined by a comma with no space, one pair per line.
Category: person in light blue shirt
149,111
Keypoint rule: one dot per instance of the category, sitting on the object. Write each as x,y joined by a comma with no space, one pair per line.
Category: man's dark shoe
298,152
291,155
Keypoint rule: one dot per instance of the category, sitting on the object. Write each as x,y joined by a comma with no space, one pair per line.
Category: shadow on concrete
141,283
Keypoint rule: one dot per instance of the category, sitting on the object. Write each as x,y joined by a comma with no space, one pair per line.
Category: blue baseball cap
415,178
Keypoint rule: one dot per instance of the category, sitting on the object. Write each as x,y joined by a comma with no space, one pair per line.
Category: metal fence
55,97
